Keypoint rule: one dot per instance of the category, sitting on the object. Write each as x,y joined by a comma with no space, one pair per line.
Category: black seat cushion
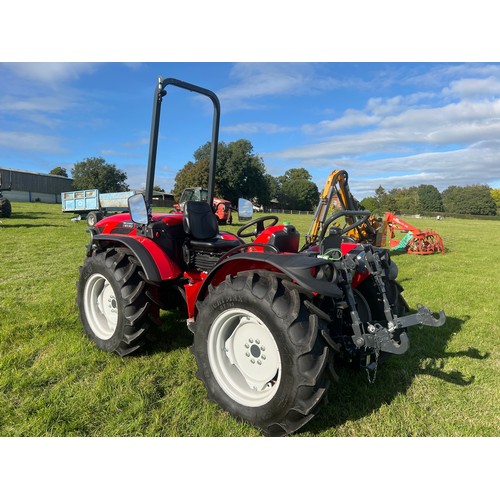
202,228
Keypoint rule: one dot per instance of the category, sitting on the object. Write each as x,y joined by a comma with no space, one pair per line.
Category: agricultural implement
93,205
336,203
414,241
269,322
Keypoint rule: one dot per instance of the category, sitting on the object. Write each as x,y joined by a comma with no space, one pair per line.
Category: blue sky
390,124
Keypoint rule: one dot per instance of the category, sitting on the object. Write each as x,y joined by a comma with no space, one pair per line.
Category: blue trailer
92,205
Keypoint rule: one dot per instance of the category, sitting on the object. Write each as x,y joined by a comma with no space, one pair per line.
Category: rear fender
314,274
157,266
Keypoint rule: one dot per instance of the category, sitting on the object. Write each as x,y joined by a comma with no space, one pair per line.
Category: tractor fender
307,271
157,266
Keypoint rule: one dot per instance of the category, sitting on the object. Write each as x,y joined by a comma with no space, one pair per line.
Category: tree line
241,173
478,199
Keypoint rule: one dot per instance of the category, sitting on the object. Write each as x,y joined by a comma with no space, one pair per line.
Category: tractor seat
201,226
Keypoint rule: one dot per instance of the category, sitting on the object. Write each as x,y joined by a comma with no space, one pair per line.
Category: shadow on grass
354,397
172,334
30,215
17,226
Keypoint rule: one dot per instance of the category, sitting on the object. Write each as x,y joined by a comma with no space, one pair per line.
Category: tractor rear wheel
260,353
114,308
5,208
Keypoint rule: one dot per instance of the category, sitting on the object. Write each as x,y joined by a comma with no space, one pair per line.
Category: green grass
55,382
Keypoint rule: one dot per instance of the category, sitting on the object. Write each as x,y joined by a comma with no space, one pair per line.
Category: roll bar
160,92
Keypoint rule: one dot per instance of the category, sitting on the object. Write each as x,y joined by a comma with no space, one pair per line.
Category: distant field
54,382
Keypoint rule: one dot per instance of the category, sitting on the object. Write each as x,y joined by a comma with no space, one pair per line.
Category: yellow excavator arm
337,185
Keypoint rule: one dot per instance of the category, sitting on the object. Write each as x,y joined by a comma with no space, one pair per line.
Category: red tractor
221,208
268,320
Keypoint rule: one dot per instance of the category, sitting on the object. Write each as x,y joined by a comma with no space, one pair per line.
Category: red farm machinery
338,204
269,321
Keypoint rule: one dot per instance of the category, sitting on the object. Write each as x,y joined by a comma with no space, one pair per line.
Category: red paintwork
347,247
265,236
195,280
167,268
171,270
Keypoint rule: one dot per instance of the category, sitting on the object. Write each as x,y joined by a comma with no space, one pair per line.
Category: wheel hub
101,306
246,349
244,357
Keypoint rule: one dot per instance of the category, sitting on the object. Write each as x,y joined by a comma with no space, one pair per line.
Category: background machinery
336,203
221,207
5,205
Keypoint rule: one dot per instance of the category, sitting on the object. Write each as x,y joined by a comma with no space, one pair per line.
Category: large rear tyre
5,208
114,307
260,354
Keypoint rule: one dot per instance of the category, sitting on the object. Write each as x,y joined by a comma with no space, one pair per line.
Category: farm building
33,186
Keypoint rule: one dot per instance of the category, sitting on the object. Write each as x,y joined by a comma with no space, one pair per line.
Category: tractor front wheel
259,352
114,308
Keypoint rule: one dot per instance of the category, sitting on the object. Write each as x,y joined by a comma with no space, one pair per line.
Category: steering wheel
363,214
260,226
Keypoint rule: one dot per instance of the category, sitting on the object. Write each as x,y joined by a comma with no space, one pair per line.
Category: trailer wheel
114,307
93,218
260,354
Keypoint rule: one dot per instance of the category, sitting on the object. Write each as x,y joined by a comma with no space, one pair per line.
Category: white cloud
51,73
31,142
253,81
457,123
256,128
50,104
473,87
350,119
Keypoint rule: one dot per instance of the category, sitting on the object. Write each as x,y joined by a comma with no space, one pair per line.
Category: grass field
55,382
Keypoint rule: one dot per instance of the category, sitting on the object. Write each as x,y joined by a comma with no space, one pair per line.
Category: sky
392,124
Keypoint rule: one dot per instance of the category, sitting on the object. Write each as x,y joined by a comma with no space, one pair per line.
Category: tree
406,200
471,200
429,199
158,188
297,191
95,173
273,186
59,171
239,174
369,203
294,174
385,201
495,194
192,175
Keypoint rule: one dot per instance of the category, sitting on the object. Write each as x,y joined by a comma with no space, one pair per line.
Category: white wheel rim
101,307
244,357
